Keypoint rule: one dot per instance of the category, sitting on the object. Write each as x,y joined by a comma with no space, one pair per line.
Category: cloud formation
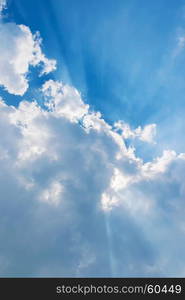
64,101
68,171
20,49
75,199
147,134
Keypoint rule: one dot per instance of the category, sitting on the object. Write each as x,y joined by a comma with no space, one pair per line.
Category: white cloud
160,164
124,185
64,100
147,134
48,160
95,121
20,49
60,167
53,194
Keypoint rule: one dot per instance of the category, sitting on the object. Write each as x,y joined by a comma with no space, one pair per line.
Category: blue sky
92,148
120,56
112,53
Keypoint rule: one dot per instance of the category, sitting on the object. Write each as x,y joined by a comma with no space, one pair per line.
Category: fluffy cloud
64,173
64,100
52,167
144,173
147,134
20,49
